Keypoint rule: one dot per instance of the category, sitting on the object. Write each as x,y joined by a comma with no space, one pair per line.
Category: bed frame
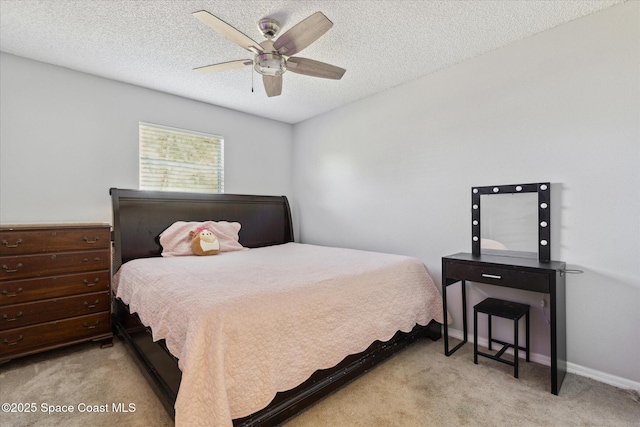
138,219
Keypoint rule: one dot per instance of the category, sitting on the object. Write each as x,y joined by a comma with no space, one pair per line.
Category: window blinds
180,160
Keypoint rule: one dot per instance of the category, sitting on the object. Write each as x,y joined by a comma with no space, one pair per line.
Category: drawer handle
6,341
6,269
92,305
95,325
4,242
86,282
91,242
491,276
4,317
8,295
96,259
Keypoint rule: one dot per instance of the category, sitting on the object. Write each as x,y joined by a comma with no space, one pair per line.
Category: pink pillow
175,240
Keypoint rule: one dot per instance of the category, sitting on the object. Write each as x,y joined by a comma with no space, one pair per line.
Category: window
180,160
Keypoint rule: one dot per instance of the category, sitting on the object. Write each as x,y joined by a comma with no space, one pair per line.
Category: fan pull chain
252,74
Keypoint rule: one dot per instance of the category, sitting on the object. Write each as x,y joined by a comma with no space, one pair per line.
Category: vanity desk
520,273
516,219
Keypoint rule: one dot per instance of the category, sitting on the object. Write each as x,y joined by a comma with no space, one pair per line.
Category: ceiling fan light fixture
270,64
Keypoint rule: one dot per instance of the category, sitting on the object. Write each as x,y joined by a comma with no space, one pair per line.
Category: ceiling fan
272,58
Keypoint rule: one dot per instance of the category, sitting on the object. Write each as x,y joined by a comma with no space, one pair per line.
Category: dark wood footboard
161,368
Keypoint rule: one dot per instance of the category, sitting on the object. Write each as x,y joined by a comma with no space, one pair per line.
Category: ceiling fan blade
224,66
302,34
272,85
228,31
309,67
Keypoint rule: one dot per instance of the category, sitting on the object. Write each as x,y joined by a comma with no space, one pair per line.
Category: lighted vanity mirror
512,220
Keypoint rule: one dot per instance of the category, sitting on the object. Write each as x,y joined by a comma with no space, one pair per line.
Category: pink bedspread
248,324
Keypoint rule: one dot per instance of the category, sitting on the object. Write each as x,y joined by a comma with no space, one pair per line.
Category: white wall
66,137
393,172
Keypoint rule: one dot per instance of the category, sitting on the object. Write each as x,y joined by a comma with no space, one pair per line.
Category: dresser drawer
20,241
21,340
31,313
26,290
18,267
495,275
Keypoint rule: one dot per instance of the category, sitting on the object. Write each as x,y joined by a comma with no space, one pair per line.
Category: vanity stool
507,310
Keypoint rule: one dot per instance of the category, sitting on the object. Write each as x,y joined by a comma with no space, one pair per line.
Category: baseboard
573,368
603,377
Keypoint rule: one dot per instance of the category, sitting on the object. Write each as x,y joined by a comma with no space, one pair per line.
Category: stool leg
527,333
490,336
515,349
475,336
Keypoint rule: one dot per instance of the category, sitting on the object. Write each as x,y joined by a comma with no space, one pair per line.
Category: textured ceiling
382,44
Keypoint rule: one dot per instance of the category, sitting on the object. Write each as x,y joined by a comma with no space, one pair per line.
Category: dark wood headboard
140,216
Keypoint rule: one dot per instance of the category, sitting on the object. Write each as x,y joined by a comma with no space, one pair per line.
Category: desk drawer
493,275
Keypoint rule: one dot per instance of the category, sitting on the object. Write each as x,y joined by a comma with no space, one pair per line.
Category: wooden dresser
54,287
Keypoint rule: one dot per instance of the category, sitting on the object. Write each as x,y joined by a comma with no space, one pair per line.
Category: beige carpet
418,387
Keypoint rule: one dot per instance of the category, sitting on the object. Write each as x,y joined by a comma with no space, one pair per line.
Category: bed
139,217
